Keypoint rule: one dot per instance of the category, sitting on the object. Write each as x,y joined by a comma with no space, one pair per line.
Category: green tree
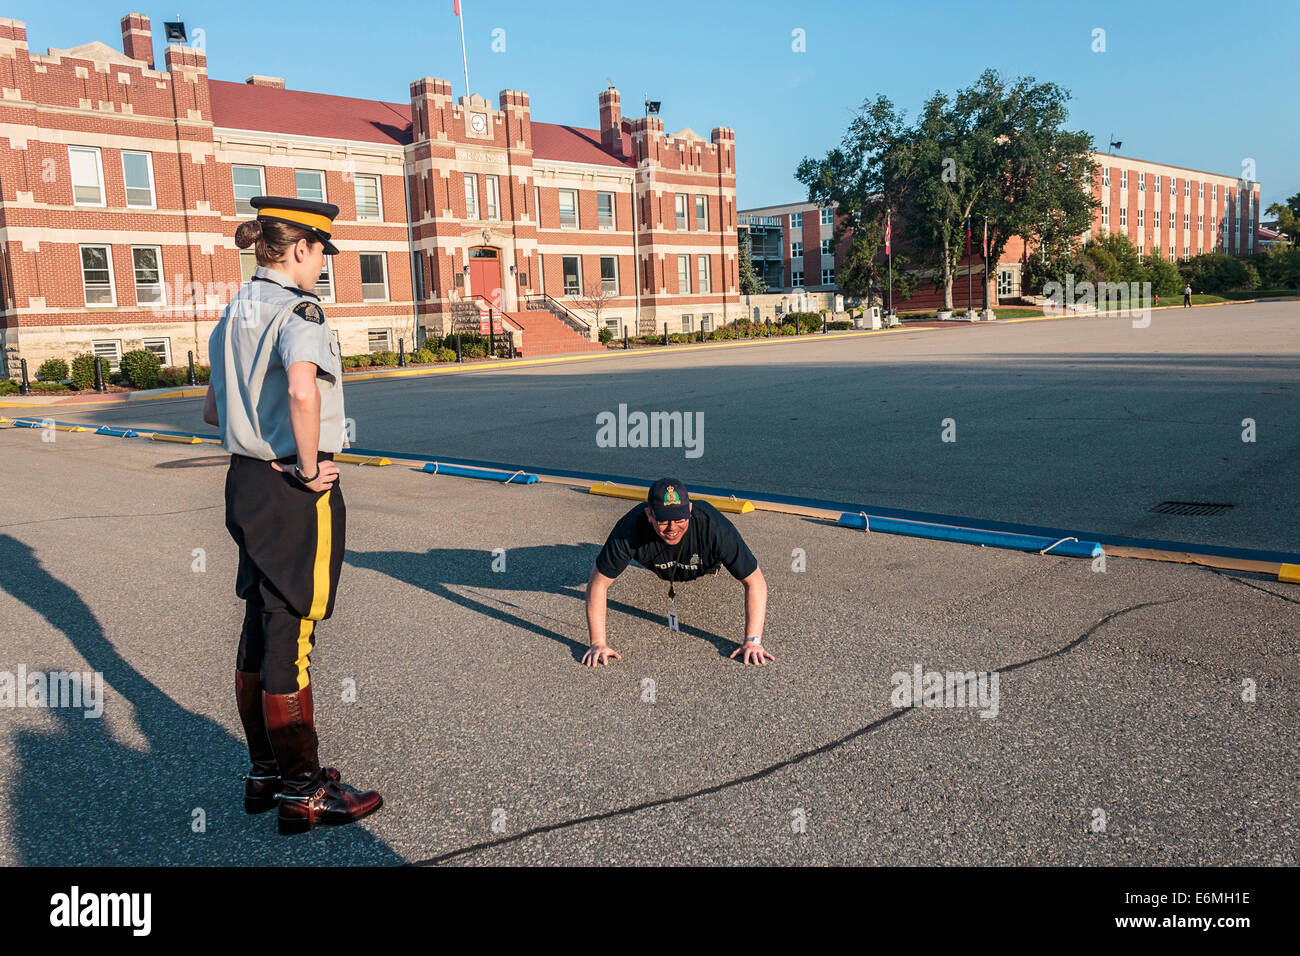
751,283
1288,217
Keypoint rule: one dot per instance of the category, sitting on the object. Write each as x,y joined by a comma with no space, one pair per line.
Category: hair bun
248,233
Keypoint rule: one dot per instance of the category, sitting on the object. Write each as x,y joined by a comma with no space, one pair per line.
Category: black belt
290,460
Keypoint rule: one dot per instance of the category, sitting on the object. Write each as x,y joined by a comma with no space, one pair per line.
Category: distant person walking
1187,296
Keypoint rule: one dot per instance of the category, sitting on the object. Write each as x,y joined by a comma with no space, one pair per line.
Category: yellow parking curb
1290,573
178,439
362,459
730,505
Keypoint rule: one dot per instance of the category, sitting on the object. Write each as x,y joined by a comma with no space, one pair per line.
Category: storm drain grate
1189,508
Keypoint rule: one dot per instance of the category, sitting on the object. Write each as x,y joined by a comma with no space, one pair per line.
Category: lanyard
676,564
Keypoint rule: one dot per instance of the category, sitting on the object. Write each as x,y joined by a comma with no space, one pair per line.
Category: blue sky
1187,83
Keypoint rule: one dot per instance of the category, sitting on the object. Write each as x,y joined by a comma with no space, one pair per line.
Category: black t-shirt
710,540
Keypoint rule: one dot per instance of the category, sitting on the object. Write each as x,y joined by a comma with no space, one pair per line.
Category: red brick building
1165,210
122,183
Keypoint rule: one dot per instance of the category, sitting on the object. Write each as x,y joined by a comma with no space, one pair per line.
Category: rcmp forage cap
669,501
315,217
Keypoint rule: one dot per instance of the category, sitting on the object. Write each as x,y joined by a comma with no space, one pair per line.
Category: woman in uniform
276,394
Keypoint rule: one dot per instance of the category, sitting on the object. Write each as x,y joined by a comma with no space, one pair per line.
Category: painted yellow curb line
362,459
1290,573
178,439
730,505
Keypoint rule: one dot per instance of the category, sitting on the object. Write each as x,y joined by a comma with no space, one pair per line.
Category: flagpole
889,256
970,266
463,56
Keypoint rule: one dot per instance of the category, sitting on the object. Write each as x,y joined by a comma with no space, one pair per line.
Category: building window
706,322
609,275
537,205
310,184
1123,216
702,213
1171,253
493,198
828,216
419,275
1123,179
147,263
1141,251
248,183
1004,283
568,209
1214,192
137,173
605,211
826,248
87,176
366,189
324,288
1105,216
1142,215
161,348
1171,219
796,278
1157,182
1173,185
110,350
97,275
374,277
1200,190
702,262
1142,182
683,274
379,340
471,195
1200,222
796,220
248,265
1187,221
796,250
680,202
571,268
1105,175
828,277
688,323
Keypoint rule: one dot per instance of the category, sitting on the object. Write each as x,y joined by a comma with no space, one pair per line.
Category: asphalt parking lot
1121,735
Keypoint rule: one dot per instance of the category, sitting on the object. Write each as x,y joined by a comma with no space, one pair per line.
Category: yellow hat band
312,220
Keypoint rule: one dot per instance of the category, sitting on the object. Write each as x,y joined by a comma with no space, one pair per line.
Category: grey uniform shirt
269,325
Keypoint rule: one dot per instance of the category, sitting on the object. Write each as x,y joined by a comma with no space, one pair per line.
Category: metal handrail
561,312
505,316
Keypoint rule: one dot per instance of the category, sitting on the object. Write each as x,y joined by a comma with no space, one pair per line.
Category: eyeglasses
677,522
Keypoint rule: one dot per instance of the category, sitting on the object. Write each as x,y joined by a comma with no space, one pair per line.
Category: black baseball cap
315,217
669,500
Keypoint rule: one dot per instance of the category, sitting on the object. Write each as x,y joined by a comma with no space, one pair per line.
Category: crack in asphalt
769,770
1248,584
143,514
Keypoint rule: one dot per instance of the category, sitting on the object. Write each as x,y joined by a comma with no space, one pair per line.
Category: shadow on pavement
82,798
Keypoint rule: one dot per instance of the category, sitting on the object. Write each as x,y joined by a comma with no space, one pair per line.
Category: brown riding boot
262,782
307,796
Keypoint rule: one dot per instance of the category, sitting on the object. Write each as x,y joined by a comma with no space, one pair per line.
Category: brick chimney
137,39
611,121
276,82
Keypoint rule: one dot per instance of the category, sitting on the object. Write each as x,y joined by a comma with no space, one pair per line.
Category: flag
456,7
967,237
888,232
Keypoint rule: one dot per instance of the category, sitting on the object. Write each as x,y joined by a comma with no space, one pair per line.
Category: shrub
52,370
173,375
362,361
383,358
787,329
203,373
83,371
140,368
444,355
43,386
422,357
8,387
605,334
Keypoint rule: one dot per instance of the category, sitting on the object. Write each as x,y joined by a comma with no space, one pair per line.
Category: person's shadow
80,797
549,569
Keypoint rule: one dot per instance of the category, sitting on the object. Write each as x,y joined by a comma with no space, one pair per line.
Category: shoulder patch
309,311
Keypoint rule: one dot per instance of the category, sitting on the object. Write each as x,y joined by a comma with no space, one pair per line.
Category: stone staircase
544,334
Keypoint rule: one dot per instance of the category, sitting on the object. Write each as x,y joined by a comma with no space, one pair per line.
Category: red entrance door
485,274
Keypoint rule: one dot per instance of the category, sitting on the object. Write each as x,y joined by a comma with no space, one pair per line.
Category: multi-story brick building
1166,210
121,186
